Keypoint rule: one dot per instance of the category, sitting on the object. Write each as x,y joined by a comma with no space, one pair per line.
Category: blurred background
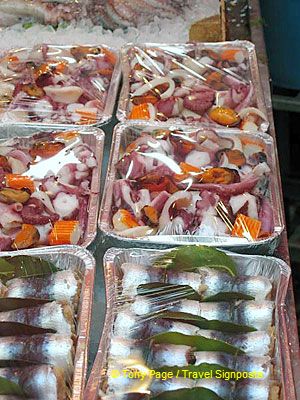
282,31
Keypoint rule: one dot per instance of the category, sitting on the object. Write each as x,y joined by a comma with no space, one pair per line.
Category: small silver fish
257,314
53,349
59,286
206,281
57,316
39,382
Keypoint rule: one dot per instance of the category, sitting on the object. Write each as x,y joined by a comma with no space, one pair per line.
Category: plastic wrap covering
49,192
211,83
45,313
58,85
183,322
191,185
42,11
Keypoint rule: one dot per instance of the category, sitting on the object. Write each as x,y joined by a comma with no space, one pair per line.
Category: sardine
252,343
57,316
258,364
257,314
59,286
39,382
206,281
53,349
249,389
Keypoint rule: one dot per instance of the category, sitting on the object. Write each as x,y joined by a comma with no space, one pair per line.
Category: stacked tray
58,85
190,164
46,303
181,184
211,83
50,180
147,292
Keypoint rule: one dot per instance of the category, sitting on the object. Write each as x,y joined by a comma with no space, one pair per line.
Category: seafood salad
180,181
193,83
43,11
56,84
186,312
45,190
39,310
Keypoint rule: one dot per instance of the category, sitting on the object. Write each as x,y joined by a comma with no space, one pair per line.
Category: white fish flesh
39,382
57,316
53,349
59,286
206,281
257,314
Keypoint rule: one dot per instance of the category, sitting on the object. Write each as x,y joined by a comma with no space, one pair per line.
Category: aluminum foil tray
126,133
73,257
276,270
94,138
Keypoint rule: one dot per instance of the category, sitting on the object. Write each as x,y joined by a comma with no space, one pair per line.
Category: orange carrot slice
246,227
214,77
64,232
140,111
87,117
105,71
112,58
16,181
231,54
27,237
66,135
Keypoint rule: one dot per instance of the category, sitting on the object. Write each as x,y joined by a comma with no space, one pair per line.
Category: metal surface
124,134
246,46
274,269
109,101
73,258
94,138
283,252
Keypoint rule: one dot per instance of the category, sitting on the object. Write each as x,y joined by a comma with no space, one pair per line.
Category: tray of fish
192,322
50,184
191,184
58,85
42,11
45,313
213,83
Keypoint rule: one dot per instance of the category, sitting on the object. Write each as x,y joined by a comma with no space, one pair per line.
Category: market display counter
282,252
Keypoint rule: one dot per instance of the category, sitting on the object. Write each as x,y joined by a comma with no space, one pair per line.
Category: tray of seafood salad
49,190
45,311
186,184
214,83
58,85
192,322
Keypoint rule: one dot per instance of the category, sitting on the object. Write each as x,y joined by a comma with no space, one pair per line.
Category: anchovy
39,382
60,286
257,314
206,281
180,355
252,343
260,364
53,349
57,316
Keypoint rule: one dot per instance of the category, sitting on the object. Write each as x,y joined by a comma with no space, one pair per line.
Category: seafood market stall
185,272
255,34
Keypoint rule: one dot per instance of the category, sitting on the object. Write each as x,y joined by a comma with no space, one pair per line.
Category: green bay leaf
186,258
204,323
197,342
